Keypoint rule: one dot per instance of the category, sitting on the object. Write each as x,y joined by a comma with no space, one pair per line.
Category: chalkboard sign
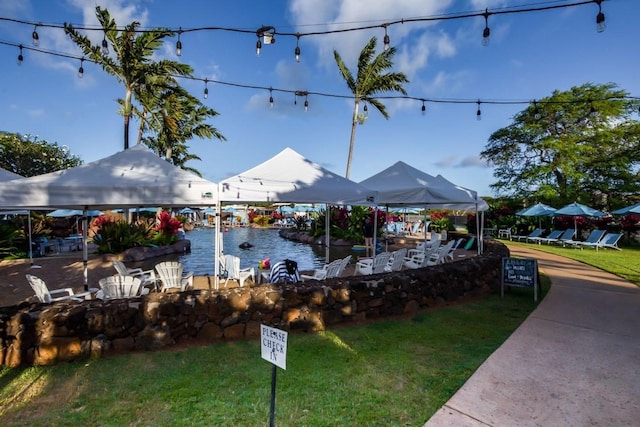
520,272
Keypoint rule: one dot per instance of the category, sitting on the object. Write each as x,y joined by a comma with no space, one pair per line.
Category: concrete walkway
575,361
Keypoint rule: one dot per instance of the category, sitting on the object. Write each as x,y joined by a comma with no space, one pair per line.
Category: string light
206,89
366,110
35,37
105,45
487,32
386,38
592,109
297,49
179,43
600,25
81,69
536,112
267,33
20,57
270,98
306,104
424,108
479,113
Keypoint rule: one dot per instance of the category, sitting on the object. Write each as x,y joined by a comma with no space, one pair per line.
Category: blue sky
529,55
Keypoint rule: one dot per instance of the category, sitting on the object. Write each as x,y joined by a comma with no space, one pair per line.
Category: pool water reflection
266,243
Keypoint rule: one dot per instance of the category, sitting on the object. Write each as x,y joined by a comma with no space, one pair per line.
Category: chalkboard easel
520,272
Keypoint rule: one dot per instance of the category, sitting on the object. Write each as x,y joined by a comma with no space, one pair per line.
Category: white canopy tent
291,178
403,185
128,179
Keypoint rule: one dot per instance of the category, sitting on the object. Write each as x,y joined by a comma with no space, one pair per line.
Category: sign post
520,272
274,350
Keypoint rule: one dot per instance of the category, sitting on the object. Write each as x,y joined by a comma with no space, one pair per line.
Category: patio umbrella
575,210
627,210
539,210
62,213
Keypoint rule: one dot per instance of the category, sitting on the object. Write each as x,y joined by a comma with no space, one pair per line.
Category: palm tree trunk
354,122
127,117
141,128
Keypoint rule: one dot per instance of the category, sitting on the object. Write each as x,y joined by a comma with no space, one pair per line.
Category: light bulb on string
81,69
479,113
35,36
105,46
386,38
486,33
270,98
306,104
179,43
258,47
297,49
600,25
366,110
424,108
206,89
20,57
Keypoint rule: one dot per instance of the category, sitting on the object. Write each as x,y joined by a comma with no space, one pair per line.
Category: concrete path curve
575,361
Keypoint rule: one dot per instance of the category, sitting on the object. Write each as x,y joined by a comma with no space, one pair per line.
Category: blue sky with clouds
529,55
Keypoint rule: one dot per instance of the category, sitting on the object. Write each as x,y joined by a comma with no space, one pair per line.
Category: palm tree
132,64
371,80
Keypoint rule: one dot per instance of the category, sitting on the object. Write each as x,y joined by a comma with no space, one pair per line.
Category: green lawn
390,373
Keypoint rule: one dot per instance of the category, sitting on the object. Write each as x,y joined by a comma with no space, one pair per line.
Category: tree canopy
28,156
165,108
577,145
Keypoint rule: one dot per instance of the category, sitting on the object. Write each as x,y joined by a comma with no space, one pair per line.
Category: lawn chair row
597,239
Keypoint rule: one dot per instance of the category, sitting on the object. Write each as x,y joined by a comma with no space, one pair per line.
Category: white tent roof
402,184
289,177
5,175
129,178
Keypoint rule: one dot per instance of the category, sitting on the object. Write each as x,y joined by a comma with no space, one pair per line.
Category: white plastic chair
147,277
170,274
373,265
396,261
234,272
118,286
46,296
327,271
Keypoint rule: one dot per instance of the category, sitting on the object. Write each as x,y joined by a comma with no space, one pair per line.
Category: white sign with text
274,345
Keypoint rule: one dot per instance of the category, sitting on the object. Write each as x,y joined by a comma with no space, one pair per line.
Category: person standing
367,230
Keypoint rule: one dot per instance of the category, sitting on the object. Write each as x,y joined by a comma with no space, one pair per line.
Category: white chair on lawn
171,275
373,265
343,265
233,271
46,296
147,277
117,286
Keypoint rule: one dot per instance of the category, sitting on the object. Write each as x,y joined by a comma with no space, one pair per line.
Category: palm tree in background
372,79
131,63
175,117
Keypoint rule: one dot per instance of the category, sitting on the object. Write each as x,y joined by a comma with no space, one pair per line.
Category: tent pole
30,242
217,240
327,234
386,241
85,251
375,231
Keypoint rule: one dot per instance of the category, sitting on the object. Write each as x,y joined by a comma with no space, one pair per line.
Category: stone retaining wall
43,334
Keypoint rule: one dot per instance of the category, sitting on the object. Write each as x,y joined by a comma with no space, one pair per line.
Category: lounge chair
594,237
327,271
534,234
171,276
564,237
552,236
46,296
609,241
455,246
343,265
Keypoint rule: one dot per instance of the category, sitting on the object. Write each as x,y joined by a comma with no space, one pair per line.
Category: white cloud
36,112
339,14
472,161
